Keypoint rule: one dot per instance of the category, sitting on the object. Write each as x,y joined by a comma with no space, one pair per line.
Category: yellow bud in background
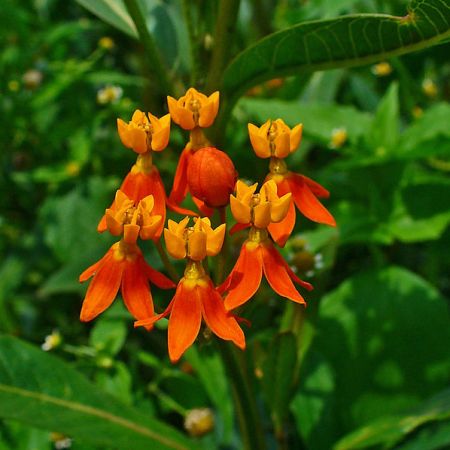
199,421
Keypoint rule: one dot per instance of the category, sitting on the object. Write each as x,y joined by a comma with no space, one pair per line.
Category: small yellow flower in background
106,42
73,168
259,209
338,137
382,69
429,88
417,112
195,242
32,78
194,109
274,138
52,341
109,94
144,132
199,421
13,85
60,441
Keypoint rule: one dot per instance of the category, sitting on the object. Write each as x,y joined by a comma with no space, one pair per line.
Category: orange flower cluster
208,174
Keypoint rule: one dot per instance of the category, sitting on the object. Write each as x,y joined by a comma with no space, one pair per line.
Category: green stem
244,399
193,42
223,37
167,264
159,70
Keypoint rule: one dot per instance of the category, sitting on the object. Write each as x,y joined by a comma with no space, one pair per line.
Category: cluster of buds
208,175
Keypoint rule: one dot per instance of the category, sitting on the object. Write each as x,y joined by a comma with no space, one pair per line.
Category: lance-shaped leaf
40,390
342,42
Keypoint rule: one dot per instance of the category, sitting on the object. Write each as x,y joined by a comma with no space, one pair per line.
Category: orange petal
175,244
148,323
180,186
221,322
316,188
136,290
296,137
159,196
201,205
281,231
185,320
157,278
103,288
247,280
260,144
239,227
277,275
307,202
90,271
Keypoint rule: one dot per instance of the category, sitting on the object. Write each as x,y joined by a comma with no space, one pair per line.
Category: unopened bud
211,176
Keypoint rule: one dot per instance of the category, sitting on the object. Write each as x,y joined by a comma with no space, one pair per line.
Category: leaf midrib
79,407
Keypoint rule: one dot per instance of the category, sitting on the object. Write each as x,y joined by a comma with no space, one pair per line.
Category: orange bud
211,176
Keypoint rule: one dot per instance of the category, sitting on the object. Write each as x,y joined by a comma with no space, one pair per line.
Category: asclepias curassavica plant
229,233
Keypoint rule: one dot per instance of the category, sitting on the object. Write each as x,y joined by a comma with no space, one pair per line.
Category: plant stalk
159,71
167,264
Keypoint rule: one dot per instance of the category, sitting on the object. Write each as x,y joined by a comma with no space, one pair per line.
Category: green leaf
112,12
108,335
384,334
385,129
342,42
40,390
390,430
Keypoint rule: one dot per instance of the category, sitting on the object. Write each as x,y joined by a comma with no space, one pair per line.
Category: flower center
257,235
277,166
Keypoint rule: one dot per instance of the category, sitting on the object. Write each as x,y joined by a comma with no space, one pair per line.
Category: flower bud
211,176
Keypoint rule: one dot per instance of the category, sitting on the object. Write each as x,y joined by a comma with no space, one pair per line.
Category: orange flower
143,180
276,140
122,266
258,253
211,176
194,109
144,133
195,297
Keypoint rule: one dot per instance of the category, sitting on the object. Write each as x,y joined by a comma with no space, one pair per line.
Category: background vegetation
367,364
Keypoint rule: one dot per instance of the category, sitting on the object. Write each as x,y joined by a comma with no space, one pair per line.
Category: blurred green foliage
366,365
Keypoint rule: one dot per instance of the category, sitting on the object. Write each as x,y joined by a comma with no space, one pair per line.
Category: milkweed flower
145,134
258,255
193,111
195,297
124,266
276,140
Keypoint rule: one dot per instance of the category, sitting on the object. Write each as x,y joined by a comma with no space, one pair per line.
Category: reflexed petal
277,275
296,137
239,227
201,205
221,322
250,275
175,244
90,271
103,288
281,231
317,189
136,290
180,187
157,278
240,211
185,320
307,202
